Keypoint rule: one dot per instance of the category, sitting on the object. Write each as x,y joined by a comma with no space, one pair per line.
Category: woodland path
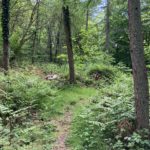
62,126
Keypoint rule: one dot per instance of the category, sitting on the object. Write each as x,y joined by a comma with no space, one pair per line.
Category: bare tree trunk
50,43
5,31
57,39
107,42
33,47
141,88
57,45
87,14
67,28
35,32
87,18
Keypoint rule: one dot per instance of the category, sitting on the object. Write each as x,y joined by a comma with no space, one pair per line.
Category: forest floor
63,122
68,103
48,128
63,125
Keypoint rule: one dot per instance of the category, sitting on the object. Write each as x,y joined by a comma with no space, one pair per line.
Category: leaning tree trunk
139,68
107,42
67,28
5,31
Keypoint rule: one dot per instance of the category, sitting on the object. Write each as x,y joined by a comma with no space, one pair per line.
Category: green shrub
21,89
101,71
109,121
133,142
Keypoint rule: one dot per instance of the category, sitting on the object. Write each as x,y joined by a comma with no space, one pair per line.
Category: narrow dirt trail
63,123
62,128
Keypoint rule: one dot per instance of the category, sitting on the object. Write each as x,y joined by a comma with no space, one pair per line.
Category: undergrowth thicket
28,102
109,121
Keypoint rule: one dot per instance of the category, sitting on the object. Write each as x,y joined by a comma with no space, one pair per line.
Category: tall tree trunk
58,40
87,18
35,32
34,46
139,68
87,14
107,42
67,28
50,43
5,31
57,45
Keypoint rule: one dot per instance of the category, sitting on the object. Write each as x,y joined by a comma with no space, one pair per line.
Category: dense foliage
35,94
109,121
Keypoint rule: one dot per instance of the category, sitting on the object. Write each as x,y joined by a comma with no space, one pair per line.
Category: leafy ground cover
30,103
96,113
108,122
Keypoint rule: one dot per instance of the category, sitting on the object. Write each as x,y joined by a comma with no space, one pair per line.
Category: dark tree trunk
34,46
139,68
58,40
87,18
67,28
107,42
78,42
35,32
50,44
5,31
87,14
57,45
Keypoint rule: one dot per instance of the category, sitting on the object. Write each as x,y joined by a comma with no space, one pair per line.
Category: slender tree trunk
78,42
35,32
25,36
34,46
67,28
87,18
107,42
50,44
57,45
139,68
58,40
5,31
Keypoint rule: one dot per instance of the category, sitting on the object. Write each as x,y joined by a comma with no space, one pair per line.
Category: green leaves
109,120
23,89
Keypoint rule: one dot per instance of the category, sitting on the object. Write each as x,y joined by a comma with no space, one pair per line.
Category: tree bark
107,42
87,14
35,32
57,45
67,28
5,31
141,88
87,18
50,43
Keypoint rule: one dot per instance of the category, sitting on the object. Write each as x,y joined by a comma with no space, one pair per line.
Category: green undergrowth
28,102
108,122
31,135
21,89
69,96
24,94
